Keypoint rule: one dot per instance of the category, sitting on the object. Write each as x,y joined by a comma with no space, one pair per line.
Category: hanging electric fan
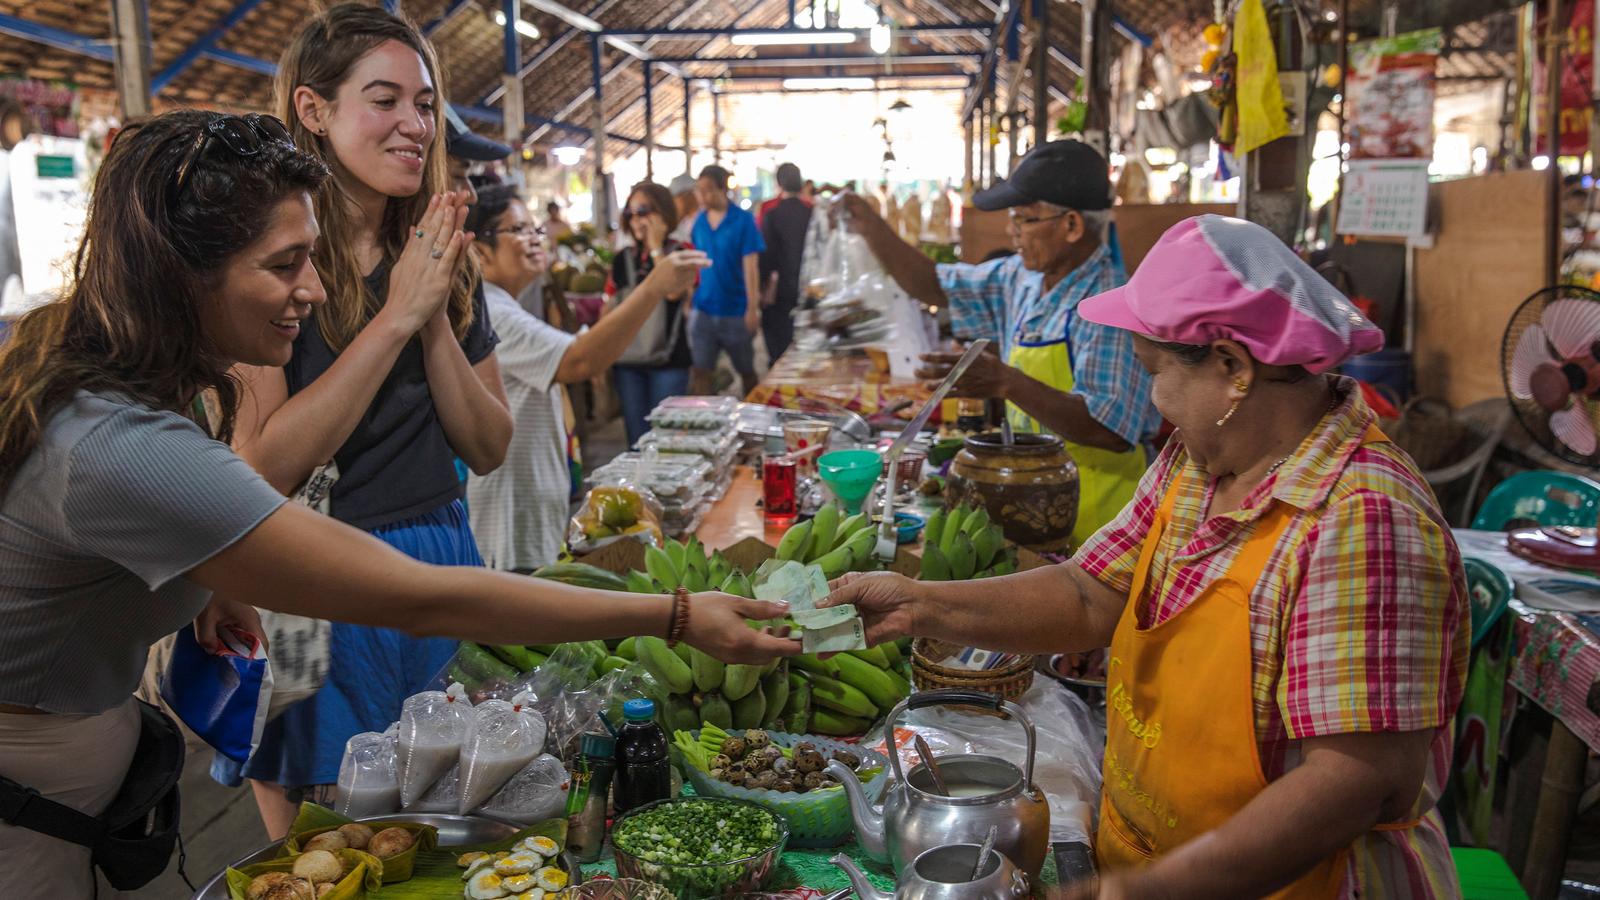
1550,361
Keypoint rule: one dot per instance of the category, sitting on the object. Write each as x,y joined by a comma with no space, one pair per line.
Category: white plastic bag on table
443,797
432,725
369,779
501,739
611,513
536,793
1066,764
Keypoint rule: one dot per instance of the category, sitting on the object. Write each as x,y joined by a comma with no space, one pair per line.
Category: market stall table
859,382
1556,664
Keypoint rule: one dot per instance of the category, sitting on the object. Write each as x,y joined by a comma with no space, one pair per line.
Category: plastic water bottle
644,773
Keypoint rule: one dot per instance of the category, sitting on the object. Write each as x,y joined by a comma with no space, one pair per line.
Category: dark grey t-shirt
397,463
96,531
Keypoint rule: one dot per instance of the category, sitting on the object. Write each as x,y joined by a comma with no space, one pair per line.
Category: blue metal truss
207,46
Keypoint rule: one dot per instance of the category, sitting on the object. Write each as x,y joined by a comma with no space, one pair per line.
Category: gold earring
1243,387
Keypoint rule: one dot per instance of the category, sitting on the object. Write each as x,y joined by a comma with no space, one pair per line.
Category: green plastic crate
1485,876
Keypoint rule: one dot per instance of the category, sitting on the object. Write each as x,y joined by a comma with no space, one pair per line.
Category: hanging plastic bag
612,513
432,725
369,777
536,793
1262,115
501,739
222,696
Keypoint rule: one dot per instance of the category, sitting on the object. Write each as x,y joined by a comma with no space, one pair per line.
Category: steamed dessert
390,842
318,866
358,836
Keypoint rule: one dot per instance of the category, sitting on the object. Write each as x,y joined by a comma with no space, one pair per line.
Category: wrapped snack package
502,738
432,725
610,513
369,778
693,413
536,793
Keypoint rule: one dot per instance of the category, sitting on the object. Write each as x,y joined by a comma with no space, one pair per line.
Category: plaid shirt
1003,301
1360,622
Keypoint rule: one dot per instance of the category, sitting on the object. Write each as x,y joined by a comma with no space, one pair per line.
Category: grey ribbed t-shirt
115,504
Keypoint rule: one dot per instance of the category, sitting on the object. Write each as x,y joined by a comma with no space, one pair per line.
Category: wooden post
1097,73
131,52
512,108
716,126
1552,129
649,124
602,197
1559,791
967,129
688,149
1041,72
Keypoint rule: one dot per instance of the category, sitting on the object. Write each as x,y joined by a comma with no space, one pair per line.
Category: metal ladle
933,768
984,851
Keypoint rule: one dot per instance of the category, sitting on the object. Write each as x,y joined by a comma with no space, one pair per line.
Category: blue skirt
371,671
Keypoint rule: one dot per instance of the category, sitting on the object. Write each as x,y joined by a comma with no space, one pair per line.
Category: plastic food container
705,880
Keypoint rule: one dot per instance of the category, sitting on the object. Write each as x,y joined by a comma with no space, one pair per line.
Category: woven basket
1009,682
1430,432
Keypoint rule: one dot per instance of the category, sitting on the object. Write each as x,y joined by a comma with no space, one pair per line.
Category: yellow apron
1179,707
1106,479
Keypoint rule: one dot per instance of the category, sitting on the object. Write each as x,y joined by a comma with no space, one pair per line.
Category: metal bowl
708,880
617,889
454,831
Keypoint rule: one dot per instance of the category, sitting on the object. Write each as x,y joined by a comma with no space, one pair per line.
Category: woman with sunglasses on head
658,369
122,519
393,380
519,511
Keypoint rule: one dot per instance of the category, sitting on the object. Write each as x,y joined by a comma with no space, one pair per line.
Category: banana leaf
314,820
366,875
434,873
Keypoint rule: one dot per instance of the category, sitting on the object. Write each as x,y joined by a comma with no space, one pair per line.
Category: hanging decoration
1262,115
1577,71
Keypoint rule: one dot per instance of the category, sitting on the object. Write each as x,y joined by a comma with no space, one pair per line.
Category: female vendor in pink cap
1284,604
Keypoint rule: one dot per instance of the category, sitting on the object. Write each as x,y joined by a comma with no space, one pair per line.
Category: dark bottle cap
639,710
599,745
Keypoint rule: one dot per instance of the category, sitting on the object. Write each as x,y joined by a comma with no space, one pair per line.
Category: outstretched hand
718,626
884,600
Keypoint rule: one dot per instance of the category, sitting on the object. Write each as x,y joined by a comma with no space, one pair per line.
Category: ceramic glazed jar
1029,487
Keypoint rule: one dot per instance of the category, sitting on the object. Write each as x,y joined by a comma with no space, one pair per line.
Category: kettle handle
955,697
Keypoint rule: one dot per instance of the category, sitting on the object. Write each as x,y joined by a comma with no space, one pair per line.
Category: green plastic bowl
850,474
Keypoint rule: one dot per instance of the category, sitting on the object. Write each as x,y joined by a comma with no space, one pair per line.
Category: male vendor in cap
1059,372
463,147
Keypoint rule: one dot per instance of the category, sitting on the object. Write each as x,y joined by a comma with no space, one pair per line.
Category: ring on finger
421,233
436,253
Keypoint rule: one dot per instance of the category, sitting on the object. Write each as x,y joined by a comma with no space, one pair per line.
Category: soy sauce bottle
644,773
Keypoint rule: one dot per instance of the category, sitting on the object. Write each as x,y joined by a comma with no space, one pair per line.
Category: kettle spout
868,820
858,879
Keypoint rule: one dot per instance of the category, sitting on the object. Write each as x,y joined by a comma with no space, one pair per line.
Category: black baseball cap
464,143
1066,173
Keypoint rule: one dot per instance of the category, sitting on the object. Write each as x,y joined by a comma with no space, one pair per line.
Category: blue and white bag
223,697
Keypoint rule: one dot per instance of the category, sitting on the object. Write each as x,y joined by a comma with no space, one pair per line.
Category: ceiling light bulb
568,156
878,38
524,27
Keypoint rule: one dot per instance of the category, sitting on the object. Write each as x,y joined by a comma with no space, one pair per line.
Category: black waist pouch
132,841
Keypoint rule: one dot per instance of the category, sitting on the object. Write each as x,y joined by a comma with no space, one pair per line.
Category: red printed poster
1391,96
1577,72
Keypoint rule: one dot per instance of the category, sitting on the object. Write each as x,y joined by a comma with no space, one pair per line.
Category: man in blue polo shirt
727,308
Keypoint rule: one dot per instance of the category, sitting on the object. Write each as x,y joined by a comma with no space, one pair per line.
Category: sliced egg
518,864
552,878
486,886
467,859
518,884
480,864
541,845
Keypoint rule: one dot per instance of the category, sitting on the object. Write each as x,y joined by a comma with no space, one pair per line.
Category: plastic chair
1540,498
1484,875
1490,592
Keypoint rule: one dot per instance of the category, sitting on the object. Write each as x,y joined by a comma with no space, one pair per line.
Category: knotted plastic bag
501,739
432,726
536,793
369,778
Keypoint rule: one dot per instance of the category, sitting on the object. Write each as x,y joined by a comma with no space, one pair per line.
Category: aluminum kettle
989,791
945,873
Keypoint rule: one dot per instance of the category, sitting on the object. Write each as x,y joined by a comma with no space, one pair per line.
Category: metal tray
454,831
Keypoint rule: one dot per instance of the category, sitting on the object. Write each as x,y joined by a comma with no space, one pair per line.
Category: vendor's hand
717,625
752,319
214,622
986,377
419,283
675,273
886,602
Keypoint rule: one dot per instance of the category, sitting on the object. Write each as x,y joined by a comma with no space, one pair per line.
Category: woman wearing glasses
519,511
392,380
656,366
120,515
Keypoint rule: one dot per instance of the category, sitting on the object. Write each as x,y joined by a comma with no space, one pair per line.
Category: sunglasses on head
244,136
642,211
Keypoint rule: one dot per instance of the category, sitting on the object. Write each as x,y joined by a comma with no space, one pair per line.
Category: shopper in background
727,303
687,201
555,226
519,511
392,380
1059,372
656,365
784,231
120,514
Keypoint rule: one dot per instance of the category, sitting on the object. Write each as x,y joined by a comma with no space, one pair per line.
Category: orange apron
1181,750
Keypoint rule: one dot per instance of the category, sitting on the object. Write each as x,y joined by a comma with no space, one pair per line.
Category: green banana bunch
963,543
